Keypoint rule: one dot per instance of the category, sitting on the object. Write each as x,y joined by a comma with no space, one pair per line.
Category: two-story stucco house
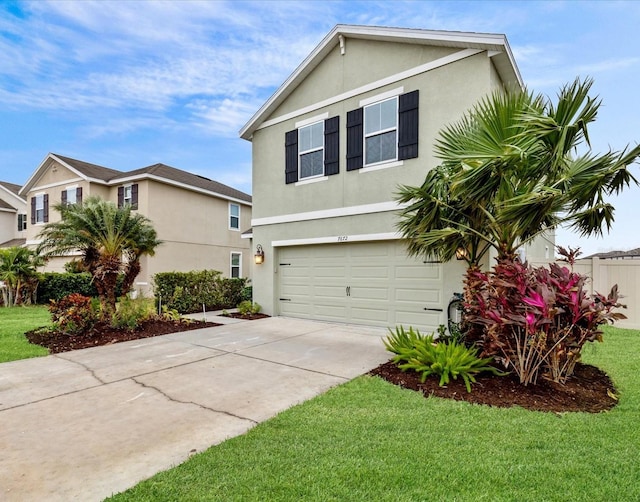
13,215
200,221
356,119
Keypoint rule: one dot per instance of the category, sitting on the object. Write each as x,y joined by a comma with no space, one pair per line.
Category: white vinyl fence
626,274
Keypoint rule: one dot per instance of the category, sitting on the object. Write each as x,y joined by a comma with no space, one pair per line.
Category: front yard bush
55,286
189,292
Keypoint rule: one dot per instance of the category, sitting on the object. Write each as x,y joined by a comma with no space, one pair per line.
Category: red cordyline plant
536,320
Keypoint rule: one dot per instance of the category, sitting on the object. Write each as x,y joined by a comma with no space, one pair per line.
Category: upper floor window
380,131
40,208
312,150
128,195
72,195
383,131
234,216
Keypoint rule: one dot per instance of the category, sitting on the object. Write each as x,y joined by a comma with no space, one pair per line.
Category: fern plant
402,339
446,359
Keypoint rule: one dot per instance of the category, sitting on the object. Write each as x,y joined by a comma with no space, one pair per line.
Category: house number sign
343,238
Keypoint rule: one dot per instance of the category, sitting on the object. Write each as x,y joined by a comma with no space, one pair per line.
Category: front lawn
369,440
14,322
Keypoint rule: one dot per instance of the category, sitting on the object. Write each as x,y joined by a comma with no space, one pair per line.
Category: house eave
495,43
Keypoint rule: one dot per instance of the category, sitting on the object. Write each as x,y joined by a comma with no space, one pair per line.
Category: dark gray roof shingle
12,187
91,170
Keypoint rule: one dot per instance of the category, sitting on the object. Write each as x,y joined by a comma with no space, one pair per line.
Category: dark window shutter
291,156
332,146
33,210
79,195
408,126
134,196
20,222
63,197
45,202
355,139
120,196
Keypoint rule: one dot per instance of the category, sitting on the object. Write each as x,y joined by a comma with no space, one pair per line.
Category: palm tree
17,271
511,170
111,240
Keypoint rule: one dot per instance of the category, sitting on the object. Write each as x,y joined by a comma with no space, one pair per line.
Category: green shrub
74,314
130,313
55,286
188,292
446,359
247,293
248,308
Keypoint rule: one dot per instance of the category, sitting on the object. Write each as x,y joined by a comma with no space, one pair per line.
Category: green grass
369,440
14,322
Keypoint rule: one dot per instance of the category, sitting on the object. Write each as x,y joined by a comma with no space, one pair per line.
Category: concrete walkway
86,424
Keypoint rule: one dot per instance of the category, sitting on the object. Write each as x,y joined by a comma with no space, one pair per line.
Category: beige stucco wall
194,227
8,225
445,94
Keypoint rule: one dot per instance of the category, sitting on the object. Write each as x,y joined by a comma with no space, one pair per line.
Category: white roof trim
147,176
5,189
481,41
27,187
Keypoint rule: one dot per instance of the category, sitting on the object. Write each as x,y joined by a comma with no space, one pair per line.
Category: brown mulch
588,390
103,334
246,317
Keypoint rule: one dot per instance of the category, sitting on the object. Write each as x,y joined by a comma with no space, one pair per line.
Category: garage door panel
386,287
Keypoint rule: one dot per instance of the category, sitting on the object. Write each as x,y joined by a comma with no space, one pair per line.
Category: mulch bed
103,334
246,317
588,390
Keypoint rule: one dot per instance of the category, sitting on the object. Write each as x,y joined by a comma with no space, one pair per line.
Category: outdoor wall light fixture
461,253
259,256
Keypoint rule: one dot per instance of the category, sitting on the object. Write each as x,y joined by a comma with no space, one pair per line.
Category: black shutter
120,196
63,197
408,126
355,139
20,223
33,210
79,195
291,156
332,146
134,196
45,202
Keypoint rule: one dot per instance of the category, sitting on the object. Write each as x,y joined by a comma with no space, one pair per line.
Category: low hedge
187,292
55,286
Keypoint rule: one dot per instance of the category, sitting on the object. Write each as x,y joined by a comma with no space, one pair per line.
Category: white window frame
238,266
231,216
311,150
72,190
379,132
39,207
127,199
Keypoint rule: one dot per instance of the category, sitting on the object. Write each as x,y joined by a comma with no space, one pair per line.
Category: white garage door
371,283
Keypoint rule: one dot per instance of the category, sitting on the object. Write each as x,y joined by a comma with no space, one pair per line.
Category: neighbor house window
71,195
313,150
234,216
383,131
380,131
22,222
236,265
128,195
40,209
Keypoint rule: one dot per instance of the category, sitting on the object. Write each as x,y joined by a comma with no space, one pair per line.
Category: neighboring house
356,119
200,221
13,216
633,254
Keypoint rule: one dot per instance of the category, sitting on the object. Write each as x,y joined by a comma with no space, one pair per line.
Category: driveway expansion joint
173,400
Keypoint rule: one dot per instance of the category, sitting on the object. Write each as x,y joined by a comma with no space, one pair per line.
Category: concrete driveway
90,423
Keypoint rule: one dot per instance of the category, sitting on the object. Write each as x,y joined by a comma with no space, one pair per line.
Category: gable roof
6,206
12,190
162,172
495,44
158,172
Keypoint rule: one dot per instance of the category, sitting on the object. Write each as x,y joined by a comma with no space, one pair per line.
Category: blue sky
128,84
